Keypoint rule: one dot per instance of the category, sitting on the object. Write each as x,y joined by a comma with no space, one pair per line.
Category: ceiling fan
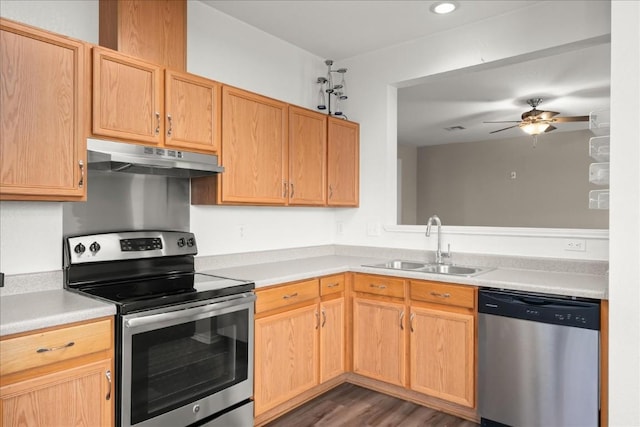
535,122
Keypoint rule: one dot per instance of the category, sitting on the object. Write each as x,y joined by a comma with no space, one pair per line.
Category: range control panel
128,245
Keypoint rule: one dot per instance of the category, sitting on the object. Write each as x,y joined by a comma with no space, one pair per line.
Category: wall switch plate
575,245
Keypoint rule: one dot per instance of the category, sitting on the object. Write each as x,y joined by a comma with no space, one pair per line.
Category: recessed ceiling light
443,7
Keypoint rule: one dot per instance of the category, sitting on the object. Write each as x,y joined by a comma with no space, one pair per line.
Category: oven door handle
189,312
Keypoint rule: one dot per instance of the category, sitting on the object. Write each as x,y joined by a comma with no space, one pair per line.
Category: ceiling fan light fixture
535,128
443,7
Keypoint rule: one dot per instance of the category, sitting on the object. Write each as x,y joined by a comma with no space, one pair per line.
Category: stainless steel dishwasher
538,359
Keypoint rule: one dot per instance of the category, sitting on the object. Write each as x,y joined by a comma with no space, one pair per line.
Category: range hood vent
142,159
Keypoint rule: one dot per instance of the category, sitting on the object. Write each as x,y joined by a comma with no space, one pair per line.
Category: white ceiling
572,83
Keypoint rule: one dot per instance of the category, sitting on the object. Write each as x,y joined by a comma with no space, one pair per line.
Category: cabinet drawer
286,295
57,345
331,284
443,293
379,285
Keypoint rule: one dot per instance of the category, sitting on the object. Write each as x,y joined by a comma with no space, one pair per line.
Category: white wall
35,228
372,83
227,50
624,273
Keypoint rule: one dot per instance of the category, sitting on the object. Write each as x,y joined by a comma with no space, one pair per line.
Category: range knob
181,242
94,247
79,249
191,241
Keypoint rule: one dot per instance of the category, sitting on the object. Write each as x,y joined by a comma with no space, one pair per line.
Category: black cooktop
155,292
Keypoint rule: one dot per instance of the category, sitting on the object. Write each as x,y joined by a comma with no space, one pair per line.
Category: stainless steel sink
401,265
425,267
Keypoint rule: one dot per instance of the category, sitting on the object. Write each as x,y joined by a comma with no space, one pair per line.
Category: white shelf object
599,148
599,173
599,199
599,122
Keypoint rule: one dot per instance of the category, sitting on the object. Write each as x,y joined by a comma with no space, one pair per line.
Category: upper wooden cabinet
343,171
307,157
137,101
154,30
254,153
42,95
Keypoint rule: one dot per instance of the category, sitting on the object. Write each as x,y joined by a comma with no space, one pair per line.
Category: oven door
181,364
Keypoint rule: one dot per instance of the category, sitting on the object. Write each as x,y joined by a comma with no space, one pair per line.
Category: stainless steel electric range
184,340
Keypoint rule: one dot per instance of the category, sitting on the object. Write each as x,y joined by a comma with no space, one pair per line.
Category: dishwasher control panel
557,310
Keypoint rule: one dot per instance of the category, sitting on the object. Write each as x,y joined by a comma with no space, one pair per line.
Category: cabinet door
153,30
379,340
192,112
42,138
286,362
80,396
254,148
442,355
332,346
127,98
343,172
307,157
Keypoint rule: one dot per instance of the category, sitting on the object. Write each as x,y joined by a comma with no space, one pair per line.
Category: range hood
142,159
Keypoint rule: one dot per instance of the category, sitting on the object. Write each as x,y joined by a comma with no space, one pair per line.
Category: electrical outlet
242,231
575,245
373,229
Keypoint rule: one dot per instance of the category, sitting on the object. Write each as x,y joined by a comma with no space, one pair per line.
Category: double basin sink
425,267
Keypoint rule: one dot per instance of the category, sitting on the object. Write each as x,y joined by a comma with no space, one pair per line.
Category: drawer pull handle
324,317
81,166
437,294
401,324
317,320
333,285
108,375
413,315
373,285
44,350
290,296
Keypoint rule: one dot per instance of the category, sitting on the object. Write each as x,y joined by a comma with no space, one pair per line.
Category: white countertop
36,310
560,283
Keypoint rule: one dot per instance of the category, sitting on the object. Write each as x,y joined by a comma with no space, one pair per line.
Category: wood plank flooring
349,405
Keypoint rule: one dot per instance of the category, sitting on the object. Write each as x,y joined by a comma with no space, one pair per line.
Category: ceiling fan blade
500,130
550,128
505,121
570,119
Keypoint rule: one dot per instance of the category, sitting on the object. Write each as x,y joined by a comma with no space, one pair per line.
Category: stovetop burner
142,270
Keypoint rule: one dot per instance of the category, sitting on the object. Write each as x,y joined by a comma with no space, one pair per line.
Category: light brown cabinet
286,349
307,157
58,376
42,96
442,343
299,342
152,30
332,327
138,101
343,163
379,344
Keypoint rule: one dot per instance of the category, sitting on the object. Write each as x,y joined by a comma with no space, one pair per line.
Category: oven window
176,365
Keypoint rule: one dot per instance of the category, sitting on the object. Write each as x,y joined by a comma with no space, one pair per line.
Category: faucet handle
448,253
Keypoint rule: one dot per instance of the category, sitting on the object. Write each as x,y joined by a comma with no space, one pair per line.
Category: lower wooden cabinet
299,341
442,355
379,345
286,348
58,376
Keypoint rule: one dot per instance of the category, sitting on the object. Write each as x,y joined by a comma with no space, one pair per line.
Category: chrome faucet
439,254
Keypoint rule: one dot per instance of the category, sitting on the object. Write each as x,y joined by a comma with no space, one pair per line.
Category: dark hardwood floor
349,405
